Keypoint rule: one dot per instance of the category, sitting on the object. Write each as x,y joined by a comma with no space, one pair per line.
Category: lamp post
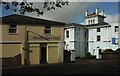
26,48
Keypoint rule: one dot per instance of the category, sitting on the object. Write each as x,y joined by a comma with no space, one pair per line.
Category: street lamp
26,48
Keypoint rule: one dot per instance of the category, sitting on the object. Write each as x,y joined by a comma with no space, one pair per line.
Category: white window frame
15,29
48,29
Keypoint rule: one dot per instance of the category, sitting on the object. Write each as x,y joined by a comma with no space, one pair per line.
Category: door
43,54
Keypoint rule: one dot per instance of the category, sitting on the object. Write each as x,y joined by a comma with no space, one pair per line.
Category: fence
110,55
11,61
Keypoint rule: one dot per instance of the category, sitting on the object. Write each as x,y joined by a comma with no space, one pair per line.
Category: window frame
12,28
48,29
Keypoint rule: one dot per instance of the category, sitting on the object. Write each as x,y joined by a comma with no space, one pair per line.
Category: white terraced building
101,35
94,36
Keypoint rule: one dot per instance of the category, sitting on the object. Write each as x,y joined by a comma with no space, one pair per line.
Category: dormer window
12,29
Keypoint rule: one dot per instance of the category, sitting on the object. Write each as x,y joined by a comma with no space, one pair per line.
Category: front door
43,54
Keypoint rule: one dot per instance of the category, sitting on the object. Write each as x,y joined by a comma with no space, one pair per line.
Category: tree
27,7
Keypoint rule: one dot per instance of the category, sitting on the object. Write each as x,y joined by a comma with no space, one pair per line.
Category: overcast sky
75,11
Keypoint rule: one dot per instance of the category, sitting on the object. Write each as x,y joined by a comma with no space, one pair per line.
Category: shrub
88,54
107,51
118,50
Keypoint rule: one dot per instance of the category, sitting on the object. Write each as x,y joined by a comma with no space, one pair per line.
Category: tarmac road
80,67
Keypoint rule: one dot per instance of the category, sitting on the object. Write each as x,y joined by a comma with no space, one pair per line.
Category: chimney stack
86,13
96,11
102,12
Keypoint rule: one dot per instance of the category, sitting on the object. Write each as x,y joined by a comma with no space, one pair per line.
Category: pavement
80,67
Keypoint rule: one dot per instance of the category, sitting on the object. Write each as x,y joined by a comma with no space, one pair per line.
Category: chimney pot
102,12
96,11
86,14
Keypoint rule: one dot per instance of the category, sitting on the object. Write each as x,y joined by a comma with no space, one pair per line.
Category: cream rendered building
44,39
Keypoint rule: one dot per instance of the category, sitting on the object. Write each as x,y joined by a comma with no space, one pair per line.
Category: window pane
67,34
98,38
13,26
47,29
116,28
12,29
98,29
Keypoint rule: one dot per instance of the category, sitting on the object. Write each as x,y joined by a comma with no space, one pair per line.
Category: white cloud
111,18
66,14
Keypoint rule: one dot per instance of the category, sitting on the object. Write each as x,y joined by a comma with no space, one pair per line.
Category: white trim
30,42
43,41
1,42
92,27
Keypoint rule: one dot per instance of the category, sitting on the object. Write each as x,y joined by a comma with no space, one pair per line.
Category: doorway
43,53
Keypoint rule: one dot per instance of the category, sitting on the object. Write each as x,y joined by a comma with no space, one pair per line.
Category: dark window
98,29
85,34
88,22
116,28
85,49
91,22
98,38
12,29
67,34
47,29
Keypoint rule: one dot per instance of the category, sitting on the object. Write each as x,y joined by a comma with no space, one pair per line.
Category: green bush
107,51
88,54
118,50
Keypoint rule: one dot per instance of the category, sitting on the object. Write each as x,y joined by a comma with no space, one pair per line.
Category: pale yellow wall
34,54
38,29
16,37
11,50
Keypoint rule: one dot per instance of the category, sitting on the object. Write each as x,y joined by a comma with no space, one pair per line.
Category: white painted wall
76,40
107,33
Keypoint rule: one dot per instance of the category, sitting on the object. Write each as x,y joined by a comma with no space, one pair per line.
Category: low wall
11,61
112,55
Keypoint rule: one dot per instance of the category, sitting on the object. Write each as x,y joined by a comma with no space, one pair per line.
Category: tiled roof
21,19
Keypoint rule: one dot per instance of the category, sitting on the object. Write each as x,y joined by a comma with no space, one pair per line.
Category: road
80,67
